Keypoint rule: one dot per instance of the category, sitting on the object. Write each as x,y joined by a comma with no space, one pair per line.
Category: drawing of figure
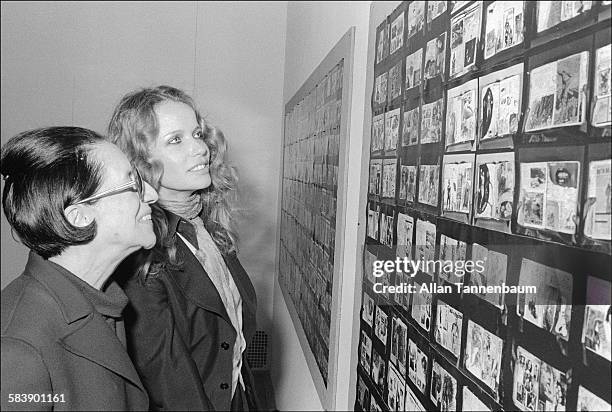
432,189
423,368
469,54
455,338
448,393
473,357
457,34
505,205
440,54
467,118
559,397
513,123
518,26
482,198
467,195
429,68
398,398
604,82
394,30
436,385
432,127
487,111
563,77
507,34
553,304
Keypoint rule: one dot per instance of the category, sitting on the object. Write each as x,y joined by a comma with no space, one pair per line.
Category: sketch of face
536,211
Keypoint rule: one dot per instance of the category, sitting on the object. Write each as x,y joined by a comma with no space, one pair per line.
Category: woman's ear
78,215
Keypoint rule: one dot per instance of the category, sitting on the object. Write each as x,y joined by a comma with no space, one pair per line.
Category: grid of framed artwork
490,141
308,209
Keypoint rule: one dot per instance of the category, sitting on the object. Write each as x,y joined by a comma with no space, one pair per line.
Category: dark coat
179,334
54,342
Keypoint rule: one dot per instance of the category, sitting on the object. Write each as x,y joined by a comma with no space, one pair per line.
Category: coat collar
86,333
71,302
94,340
178,224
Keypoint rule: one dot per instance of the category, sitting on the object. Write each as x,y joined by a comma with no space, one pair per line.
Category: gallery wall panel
501,155
313,204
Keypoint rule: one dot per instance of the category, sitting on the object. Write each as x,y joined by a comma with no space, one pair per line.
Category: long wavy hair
134,128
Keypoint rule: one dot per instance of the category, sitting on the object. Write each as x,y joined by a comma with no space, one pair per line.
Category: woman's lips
199,167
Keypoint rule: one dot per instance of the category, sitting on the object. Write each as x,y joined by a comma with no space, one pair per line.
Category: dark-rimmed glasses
135,185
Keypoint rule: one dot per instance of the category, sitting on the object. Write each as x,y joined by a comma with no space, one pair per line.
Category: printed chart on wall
312,184
487,251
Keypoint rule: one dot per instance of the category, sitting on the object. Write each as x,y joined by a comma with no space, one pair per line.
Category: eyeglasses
135,185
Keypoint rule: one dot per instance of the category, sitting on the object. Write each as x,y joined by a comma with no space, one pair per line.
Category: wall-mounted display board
487,252
313,183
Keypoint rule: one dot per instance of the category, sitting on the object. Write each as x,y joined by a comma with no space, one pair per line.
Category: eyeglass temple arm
107,192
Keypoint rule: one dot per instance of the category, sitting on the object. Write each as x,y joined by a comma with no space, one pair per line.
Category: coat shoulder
29,311
23,370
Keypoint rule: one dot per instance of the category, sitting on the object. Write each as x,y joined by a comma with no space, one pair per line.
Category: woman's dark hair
46,170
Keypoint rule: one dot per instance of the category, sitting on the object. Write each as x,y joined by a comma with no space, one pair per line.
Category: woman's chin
149,241
201,183
195,184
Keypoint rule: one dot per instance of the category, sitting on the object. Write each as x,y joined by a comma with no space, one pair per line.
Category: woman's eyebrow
173,132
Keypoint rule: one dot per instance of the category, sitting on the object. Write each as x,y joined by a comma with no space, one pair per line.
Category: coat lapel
93,339
247,292
87,333
196,284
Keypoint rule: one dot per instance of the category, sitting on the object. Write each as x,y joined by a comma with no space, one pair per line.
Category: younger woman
193,304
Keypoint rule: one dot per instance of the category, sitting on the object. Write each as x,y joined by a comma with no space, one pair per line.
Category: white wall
68,63
313,28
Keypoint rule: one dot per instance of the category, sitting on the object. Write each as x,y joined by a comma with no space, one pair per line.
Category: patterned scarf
186,209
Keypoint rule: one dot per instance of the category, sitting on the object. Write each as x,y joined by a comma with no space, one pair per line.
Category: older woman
194,305
75,200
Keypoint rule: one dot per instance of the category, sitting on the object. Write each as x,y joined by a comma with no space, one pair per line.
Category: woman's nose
150,194
199,147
